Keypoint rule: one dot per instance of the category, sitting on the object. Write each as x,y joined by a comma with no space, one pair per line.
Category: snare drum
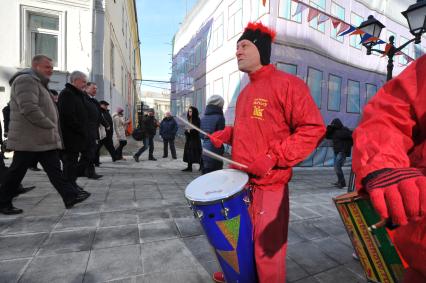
219,200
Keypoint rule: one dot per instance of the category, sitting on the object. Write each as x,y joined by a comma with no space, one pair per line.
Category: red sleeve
384,135
306,123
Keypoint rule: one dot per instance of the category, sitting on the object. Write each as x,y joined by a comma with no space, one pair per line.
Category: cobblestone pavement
136,227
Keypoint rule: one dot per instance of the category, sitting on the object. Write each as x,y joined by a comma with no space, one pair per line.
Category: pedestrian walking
109,132
168,130
120,132
192,150
212,121
149,129
342,145
74,120
277,125
86,163
34,135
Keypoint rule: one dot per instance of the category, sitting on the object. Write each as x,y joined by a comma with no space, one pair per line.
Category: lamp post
416,18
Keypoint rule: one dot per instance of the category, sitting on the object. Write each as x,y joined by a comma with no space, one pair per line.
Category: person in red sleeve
277,125
389,160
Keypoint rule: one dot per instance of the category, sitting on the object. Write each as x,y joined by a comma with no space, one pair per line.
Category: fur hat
216,100
262,37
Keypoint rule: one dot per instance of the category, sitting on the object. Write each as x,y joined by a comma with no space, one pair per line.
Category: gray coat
33,114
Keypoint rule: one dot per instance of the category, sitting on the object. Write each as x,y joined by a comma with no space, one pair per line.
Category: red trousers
270,214
411,243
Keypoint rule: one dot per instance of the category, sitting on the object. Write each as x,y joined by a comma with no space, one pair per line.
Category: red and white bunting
299,9
313,13
343,27
357,31
322,18
335,22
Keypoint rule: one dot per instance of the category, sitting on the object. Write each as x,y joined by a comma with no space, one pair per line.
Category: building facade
341,77
159,101
97,37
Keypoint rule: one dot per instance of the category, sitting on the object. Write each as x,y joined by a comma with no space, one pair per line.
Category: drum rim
199,202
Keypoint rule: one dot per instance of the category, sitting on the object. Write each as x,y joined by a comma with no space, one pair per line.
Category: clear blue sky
158,22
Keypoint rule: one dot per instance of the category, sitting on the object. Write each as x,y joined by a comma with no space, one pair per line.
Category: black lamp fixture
416,18
373,27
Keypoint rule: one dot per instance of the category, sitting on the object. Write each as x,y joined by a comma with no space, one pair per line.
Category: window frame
356,36
296,19
307,82
311,25
26,41
337,38
236,31
340,93
367,99
289,64
359,97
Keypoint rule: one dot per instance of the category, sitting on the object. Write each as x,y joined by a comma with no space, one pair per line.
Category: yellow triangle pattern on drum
231,258
231,230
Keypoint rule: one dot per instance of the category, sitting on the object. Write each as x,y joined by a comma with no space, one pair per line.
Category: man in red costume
389,160
277,125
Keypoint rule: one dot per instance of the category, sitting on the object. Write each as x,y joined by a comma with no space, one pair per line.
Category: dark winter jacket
74,118
212,121
149,126
6,118
94,116
192,150
168,128
107,121
341,137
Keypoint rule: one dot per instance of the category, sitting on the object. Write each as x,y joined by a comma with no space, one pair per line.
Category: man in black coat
149,128
86,164
107,123
74,120
342,144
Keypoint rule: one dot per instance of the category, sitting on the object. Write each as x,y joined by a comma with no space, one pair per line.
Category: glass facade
315,78
353,99
334,92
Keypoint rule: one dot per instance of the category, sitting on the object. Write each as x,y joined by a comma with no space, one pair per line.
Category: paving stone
19,246
177,276
339,274
119,218
181,212
126,195
152,193
68,267
150,215
11,270
74,221
116,236
310,258
114,263
149,203
335,249
161,230
200,248
294,271
68,241
308,231
309,279
166,256
189,227
117,205
32,225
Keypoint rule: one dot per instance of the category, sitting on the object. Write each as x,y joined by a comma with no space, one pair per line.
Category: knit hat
103,102
119,109
216,100
262,37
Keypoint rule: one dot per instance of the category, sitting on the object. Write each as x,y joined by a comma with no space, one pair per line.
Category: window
287,9
258,9
218,86
218,32
288,68
338,12
197,54
320,4
418,51
353,99
200,99
334,92
371,91
405,50
235,18
355,39
233,88
315,85
42,32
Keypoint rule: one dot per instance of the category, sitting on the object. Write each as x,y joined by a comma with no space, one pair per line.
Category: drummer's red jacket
275,115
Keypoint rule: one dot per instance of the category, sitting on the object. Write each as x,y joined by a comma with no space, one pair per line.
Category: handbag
138,134
102,132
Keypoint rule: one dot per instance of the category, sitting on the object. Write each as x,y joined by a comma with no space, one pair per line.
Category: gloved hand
218,138
397,193
262,165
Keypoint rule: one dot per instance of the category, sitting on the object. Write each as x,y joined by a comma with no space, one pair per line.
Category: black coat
192,150
212,121
73,118
341,137
6,117
168,128
149,126
94,115
106,121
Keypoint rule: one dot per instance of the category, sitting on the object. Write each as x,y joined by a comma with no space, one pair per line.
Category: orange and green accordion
377,254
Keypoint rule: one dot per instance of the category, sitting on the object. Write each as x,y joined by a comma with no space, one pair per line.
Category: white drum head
216,185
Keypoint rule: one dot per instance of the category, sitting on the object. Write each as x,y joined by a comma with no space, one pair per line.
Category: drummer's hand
218,138
397,193
262,165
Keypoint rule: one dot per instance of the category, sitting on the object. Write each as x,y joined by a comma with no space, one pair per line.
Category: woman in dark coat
212,121
192,150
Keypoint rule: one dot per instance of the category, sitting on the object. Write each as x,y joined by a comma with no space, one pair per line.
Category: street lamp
416,18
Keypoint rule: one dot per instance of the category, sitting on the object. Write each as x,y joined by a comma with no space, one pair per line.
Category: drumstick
192,126
221,158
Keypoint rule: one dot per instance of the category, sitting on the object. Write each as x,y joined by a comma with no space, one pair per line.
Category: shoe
136,158
36,169
152,158
94,176
174,157
218,277
335,184
11,210
187,170
79,198
22,190
97,164
164,156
